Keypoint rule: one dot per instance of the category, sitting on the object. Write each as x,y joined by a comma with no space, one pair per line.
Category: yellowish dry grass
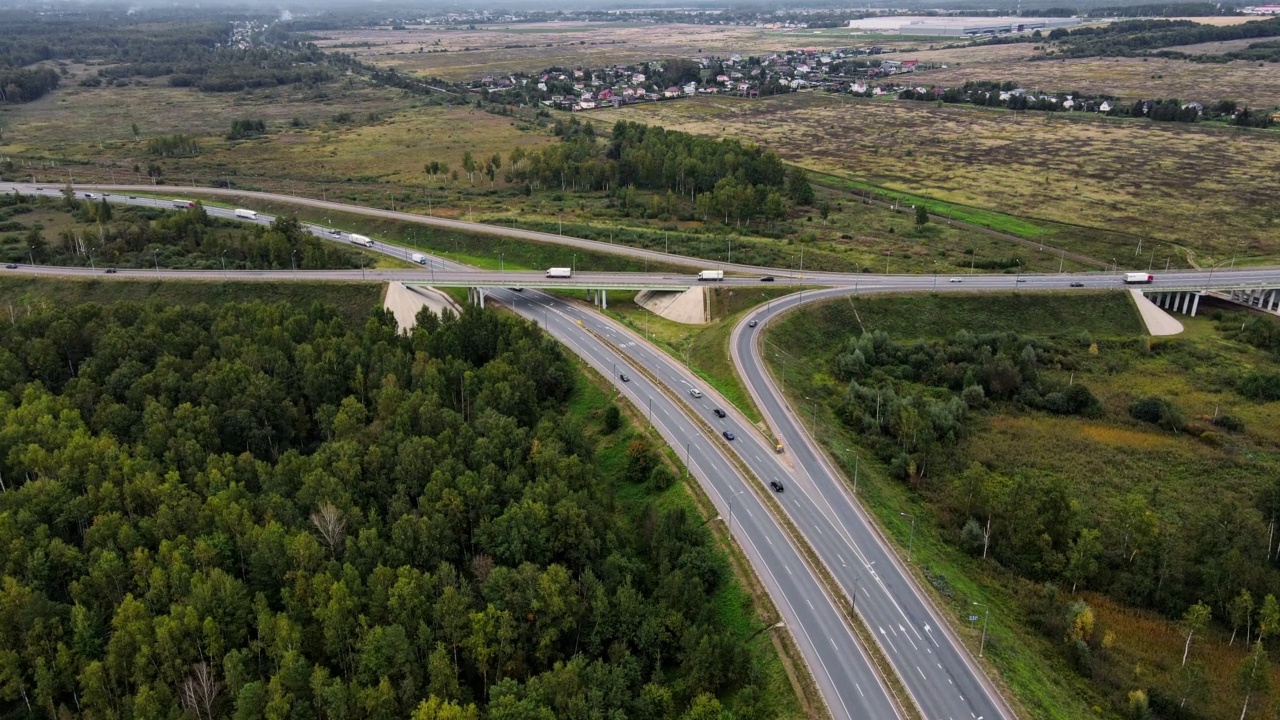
1195,190
1255,84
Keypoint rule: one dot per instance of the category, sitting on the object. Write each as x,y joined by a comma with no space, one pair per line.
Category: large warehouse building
959,26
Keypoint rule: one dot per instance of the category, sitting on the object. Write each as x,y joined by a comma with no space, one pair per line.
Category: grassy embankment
1095,457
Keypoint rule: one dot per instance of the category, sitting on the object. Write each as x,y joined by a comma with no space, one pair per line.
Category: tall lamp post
911,543
982,644
731,497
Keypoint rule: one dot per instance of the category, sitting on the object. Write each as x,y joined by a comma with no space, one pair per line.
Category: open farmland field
76,120
494,49
1250,83
1198,191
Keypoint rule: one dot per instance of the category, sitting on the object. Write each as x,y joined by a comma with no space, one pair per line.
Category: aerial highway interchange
939,674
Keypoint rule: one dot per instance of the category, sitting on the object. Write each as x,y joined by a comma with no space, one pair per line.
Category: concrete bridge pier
599,298
1185,302
476,296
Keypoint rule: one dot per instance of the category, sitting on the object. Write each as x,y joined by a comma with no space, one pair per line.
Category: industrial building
959,26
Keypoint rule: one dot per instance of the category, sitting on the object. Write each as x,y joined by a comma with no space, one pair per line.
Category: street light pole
156,257
911,544
982,644
731,497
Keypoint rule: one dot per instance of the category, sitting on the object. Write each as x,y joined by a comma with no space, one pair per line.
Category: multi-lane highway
936,669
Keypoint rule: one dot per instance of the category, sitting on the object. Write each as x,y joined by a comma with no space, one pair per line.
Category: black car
728,435
11,266
767,278
133,197
111,271
623,377
718,412
1077,284
777,486
1022,279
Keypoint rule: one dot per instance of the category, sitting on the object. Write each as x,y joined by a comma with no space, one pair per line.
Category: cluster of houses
613,86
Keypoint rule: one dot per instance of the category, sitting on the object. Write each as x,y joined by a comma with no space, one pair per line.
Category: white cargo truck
1139,278
246,214
419,258
361,240
711,275
559,272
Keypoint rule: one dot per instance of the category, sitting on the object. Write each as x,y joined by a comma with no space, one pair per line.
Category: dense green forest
102,234
258,511
717,179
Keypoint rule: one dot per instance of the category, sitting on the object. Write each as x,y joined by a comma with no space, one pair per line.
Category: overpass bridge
1259,295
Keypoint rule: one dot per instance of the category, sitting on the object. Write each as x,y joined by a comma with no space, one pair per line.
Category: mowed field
1201,192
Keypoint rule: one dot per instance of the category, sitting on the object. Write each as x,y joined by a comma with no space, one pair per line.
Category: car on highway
623,377
728,436
111,271
695,392
777,486
719,413
1077,284
956,280
89,195
1022,279
752,323
767,278
133,197
11,266
519,289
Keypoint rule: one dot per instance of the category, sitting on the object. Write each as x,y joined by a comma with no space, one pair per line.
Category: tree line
1137,37
257,511
989,93
721,179
128,236
19,85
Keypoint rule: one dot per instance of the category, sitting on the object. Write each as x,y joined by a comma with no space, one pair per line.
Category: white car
695,392
956,280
